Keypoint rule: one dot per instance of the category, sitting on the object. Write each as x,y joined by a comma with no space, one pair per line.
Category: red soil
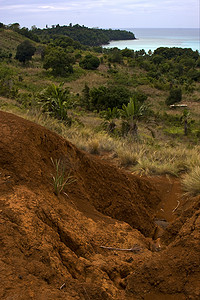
50,245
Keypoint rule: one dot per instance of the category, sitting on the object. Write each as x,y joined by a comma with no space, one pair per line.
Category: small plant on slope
61,178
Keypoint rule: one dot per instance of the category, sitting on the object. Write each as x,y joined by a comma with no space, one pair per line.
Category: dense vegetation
107,99
82,34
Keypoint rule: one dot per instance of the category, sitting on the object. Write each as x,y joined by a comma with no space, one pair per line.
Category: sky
102,13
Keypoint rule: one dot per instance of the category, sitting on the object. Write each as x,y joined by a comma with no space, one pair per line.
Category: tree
55,100
85,99
104,97
185,121
2,25
25,51
115,56
59,61
89,62
175,95
131,114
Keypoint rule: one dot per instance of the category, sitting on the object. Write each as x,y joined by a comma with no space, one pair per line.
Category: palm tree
55,100
131,113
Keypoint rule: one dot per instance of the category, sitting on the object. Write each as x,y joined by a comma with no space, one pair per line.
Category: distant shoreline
153,38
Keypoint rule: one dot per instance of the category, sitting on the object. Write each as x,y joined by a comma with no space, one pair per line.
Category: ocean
153,38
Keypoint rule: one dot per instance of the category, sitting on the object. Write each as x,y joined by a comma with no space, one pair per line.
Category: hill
9,40
84,35
51,246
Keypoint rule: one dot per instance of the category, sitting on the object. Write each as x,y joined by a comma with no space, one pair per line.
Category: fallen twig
176,206
134,249
62,286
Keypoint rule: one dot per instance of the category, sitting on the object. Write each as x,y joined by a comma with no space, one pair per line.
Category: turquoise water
153,38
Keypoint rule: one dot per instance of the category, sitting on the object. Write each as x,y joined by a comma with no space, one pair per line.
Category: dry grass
145,158
93,79
191,182
168,160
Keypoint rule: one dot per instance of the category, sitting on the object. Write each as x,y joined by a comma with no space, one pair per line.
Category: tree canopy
58,60
25,51
89,62
83,34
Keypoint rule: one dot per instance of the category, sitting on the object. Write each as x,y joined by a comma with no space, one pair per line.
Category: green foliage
25,51
8,88
89,62
83,34
85,98
194,75
108,97
175,95
61,179
27,33
175,52
56,101
7,82
58,60
131,113
115,56
5,55
157,59
109,116
185,121
127,53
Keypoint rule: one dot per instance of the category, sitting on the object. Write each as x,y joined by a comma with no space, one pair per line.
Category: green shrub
103,98
89,62
25,51
58,61
55,100
175,96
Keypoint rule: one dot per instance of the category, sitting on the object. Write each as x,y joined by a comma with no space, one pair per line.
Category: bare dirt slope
50,245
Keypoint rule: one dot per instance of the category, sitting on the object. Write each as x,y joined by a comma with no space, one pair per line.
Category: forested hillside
130,102
82,34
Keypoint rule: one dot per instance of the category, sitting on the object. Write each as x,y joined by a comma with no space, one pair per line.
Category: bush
56,101
89,62
59,61
103,98
175,96
8,88
25,51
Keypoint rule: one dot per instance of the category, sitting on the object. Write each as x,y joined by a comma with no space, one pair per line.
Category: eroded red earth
51,246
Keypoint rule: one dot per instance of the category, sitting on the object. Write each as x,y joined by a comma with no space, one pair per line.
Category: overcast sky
102,13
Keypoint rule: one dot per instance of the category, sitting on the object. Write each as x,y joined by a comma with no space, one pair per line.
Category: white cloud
98,12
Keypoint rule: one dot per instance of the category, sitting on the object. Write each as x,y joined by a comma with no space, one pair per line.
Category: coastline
153,38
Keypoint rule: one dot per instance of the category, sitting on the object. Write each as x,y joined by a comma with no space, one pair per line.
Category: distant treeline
84,35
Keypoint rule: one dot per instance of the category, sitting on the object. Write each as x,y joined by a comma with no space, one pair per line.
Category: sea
153,38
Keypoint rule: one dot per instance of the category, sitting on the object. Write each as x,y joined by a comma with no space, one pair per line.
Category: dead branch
136,248
176,206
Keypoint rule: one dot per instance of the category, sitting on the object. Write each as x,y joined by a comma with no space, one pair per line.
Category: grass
61,179
168,153
191,182
142,157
